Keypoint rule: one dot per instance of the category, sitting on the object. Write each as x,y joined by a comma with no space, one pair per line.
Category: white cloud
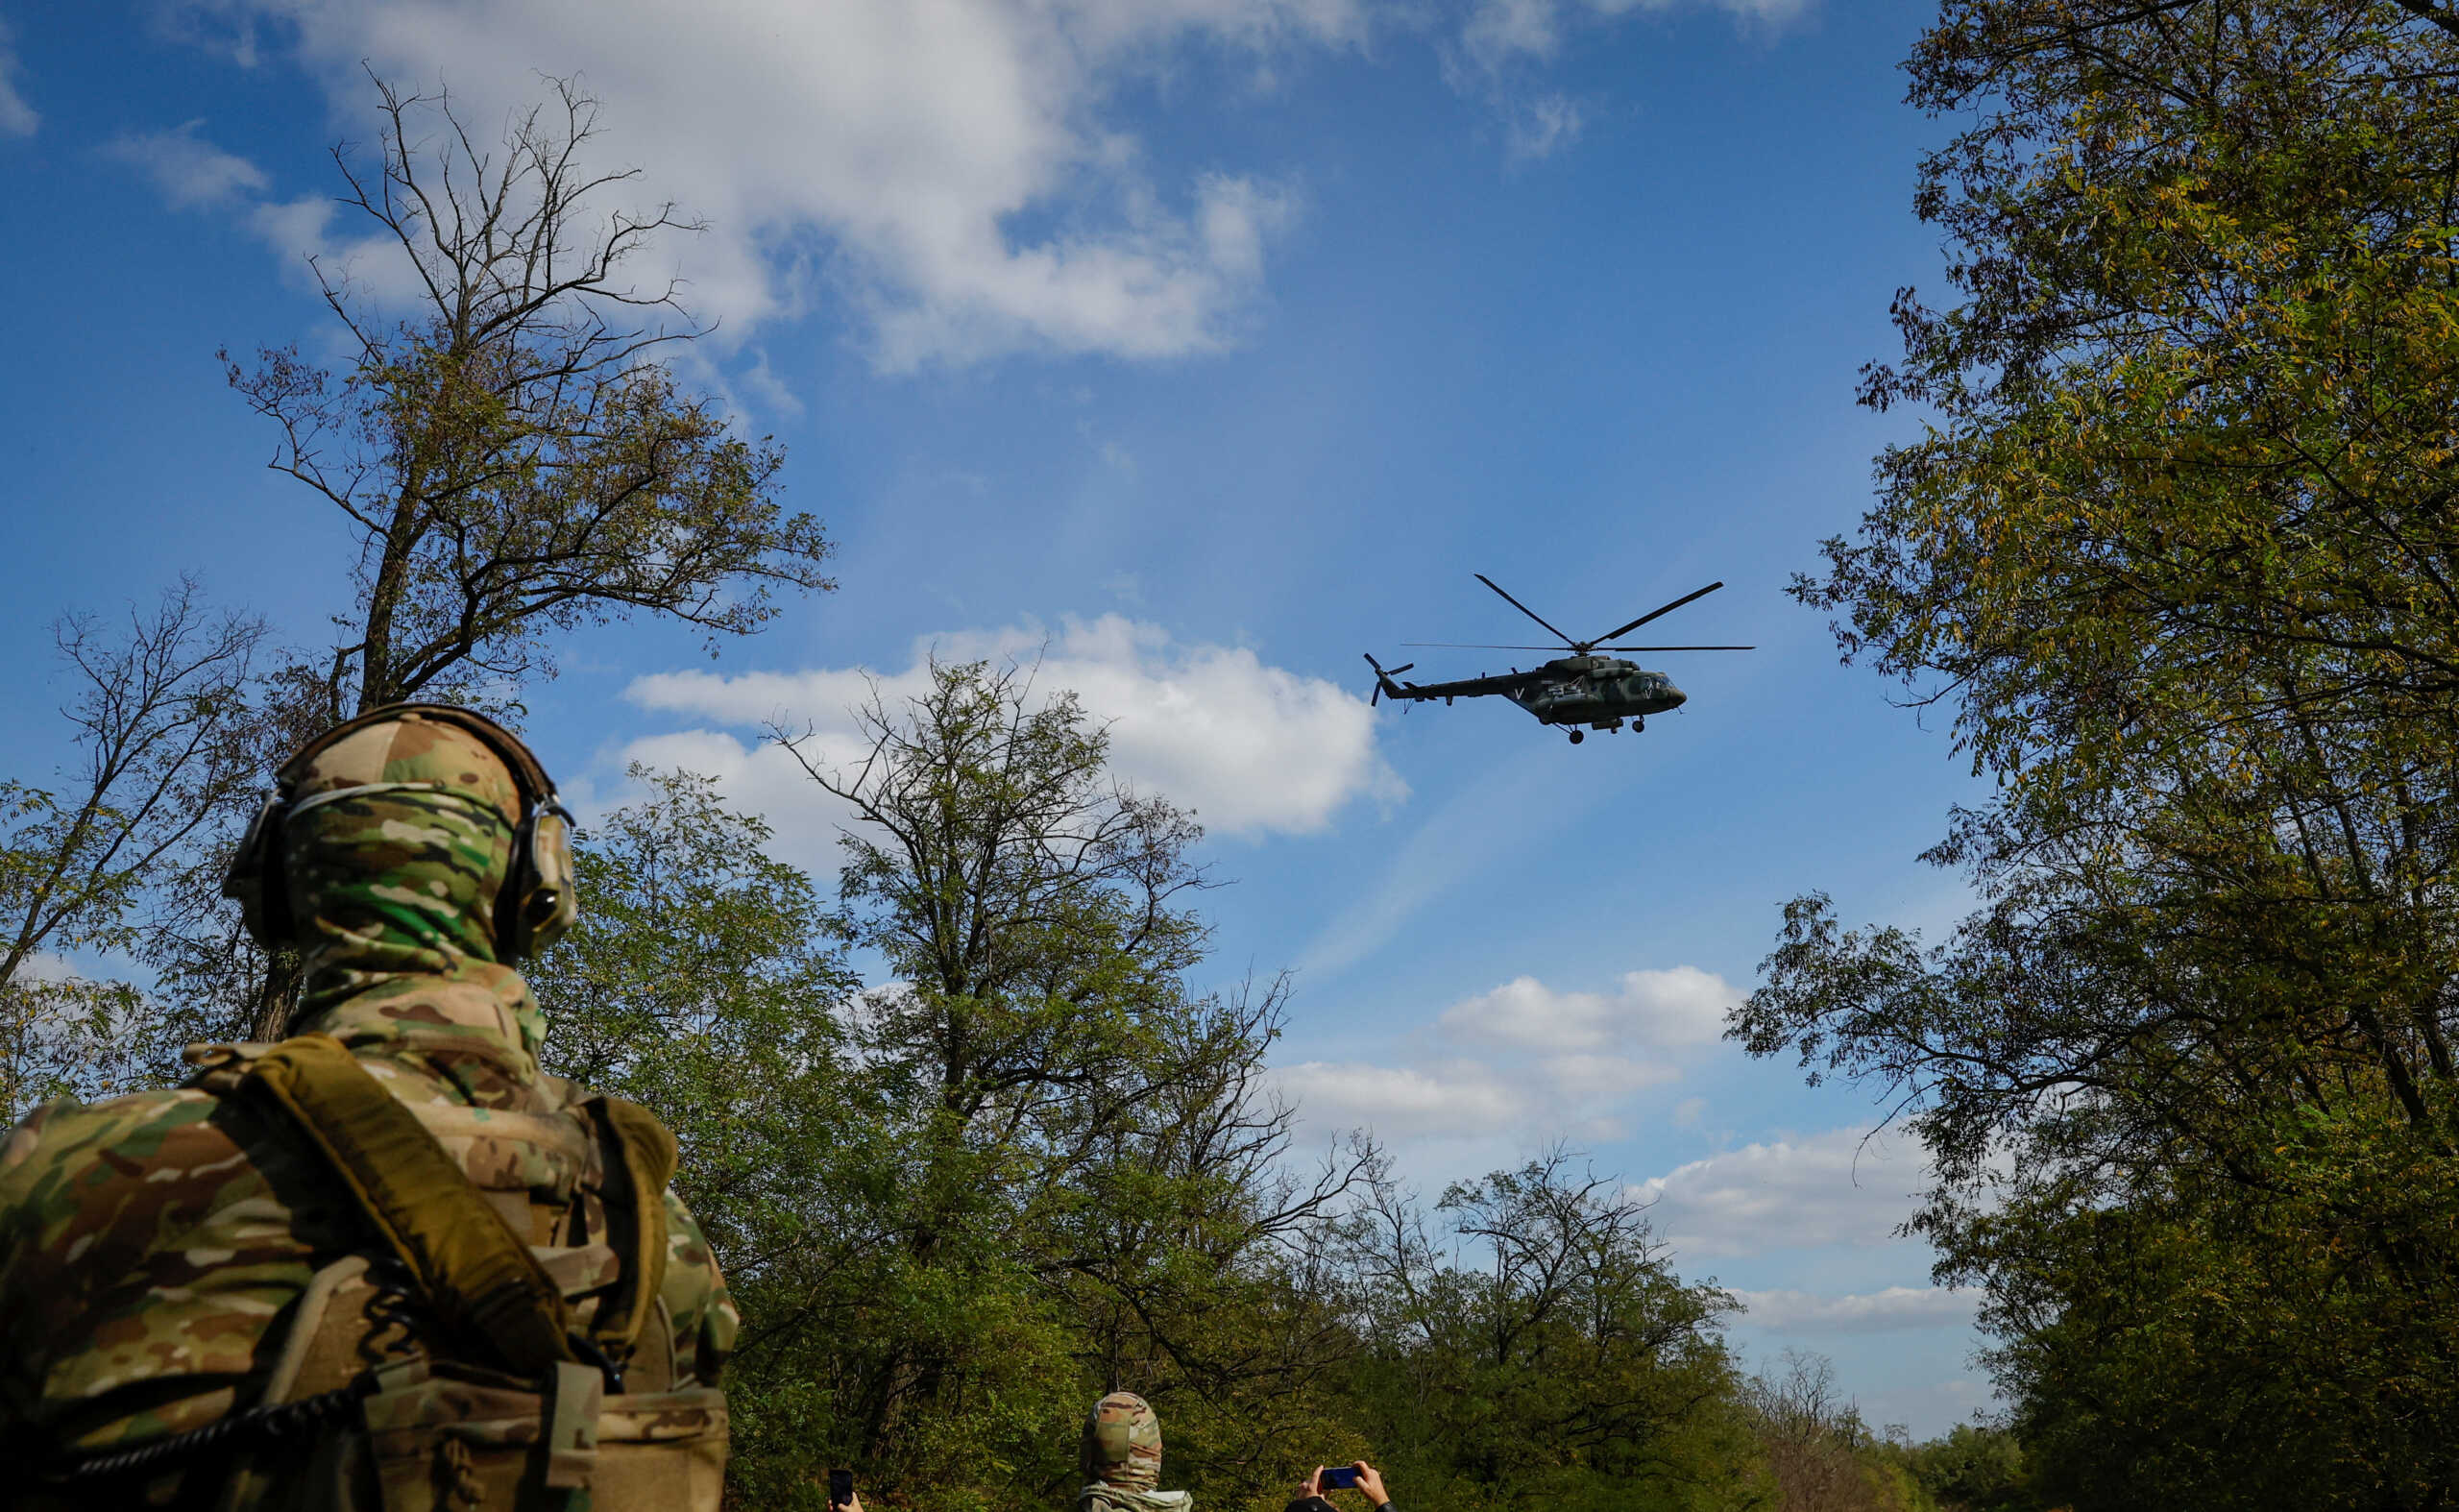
1253,749
1786,1311
958,175
1580,1090
1543,127
1502,44
762,381
191,173
948,167
1603,1078
1682,1006
755,776
1838,1188
17,118
186,169
50,970
1456,1100
1499,32
1546,1065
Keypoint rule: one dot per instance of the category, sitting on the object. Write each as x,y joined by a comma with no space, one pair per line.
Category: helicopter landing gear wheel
1636,726
1579,736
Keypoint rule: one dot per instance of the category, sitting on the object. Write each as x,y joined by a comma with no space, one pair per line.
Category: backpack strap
485,1286
636,1221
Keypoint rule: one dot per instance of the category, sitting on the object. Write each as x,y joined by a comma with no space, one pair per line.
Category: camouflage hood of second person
394,857
1120,1456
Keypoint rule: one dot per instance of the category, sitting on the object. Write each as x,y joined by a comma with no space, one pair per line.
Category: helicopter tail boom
1384,685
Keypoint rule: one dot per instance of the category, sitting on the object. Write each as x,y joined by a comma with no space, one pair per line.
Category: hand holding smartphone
841,1488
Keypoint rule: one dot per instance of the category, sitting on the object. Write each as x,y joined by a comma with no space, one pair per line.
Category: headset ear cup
255,880
550,902
538,902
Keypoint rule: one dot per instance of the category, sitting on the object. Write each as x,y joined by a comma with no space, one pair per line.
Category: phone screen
1340,1477
841,1487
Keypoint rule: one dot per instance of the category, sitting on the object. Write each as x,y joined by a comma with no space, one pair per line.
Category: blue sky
1209,343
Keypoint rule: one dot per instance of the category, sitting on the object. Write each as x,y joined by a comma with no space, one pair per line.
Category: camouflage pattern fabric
149,1245
394,893
1120,1456
1103,1497
427,752
1122,1442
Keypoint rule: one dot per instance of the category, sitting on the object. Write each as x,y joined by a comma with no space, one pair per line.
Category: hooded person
387,1261
1121,1459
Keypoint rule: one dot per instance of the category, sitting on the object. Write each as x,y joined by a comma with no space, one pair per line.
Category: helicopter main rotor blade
1524,609
1476,646
1645,618
1677,647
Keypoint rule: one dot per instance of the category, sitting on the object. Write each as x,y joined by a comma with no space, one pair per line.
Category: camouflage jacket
1102,1497
152,1246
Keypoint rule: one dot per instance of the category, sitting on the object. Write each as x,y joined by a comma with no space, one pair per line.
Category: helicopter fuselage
1583,688
1600,692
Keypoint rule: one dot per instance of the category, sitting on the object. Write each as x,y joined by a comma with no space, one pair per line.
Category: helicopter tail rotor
1383,683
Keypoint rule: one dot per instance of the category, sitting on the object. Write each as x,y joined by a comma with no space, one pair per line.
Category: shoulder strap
638,1219
486,1287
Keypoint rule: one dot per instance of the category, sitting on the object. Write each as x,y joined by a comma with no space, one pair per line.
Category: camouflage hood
394,892
1103,1497
1120,1455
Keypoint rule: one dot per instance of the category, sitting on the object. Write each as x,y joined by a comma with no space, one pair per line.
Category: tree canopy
1023,1158
514,455
2177,546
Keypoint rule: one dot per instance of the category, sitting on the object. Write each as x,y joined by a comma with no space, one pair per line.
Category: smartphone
841,1487
1340,1477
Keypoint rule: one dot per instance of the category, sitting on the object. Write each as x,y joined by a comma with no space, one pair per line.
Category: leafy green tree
1976,1467
1821,1456
1061,1169
951,1219
704,980
1527,1344
514,455
2177,546
158,712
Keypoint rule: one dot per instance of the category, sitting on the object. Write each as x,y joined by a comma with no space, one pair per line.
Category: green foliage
2152,1321
514,459
72,1037
159,714
54,1035
1528,1344
1975,1469
1080,1184
1031,1163
2177,546
701,981
1820,1456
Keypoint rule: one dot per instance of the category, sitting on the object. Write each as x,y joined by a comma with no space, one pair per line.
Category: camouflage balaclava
398,840
1122,1445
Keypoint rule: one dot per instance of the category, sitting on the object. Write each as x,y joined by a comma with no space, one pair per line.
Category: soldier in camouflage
157,1250
1121,1459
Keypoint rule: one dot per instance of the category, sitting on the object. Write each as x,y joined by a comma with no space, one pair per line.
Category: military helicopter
1581,688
